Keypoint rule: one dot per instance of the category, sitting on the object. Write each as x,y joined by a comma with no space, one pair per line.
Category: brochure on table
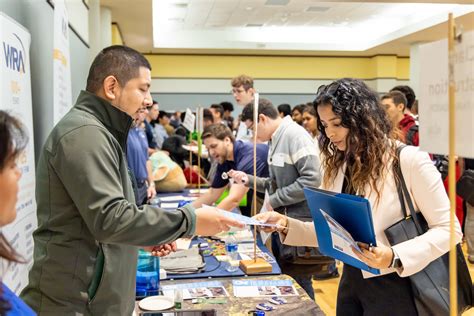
197,290
246,253
263,288
340,220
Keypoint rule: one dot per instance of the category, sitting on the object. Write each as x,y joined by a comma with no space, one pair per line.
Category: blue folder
351,212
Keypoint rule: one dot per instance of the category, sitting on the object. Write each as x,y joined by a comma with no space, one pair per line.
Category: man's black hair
207,115
218,108
265,107
122,62
163,114
409,94
397,98
227,106
298,108
284,108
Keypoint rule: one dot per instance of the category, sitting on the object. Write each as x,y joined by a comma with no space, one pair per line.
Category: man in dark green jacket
89,228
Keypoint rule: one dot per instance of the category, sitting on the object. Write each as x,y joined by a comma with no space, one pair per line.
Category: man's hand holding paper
211,221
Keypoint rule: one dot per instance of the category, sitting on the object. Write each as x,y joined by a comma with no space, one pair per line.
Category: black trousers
384,295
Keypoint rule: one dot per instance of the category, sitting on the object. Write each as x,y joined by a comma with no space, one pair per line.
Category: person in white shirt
358,157
243,93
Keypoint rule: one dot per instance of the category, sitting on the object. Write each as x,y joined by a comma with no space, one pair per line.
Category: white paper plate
154,303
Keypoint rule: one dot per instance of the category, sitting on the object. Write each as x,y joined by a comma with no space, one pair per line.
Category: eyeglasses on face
237,91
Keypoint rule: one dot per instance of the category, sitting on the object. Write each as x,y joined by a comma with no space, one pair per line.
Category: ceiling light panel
317,9
180,5
276,2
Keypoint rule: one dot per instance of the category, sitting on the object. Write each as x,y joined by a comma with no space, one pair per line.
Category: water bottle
148,274
178,298
231,248
156,201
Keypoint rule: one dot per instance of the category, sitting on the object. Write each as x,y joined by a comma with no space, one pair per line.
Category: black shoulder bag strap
404,195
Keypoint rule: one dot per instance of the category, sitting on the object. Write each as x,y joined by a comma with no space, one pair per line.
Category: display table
297,305
215,269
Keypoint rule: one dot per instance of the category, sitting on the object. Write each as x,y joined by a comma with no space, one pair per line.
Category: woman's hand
274,218
375,257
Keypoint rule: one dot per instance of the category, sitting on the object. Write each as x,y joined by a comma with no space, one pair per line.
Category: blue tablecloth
216,269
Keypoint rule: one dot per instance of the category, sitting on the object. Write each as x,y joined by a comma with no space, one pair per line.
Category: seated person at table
231,154
167,174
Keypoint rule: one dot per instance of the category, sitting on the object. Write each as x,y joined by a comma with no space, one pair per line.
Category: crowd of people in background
165,132
225,139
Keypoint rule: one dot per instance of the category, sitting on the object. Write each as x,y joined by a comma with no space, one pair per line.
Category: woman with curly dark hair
359,156
13,140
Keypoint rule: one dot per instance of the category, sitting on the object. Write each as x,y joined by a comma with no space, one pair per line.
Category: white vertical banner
200,120
255,108
253,132
15,98
62,95
189,120
433,103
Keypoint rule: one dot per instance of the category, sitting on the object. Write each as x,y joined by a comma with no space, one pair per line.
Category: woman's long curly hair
369,139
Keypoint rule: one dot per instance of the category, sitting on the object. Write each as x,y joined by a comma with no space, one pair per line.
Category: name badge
278,160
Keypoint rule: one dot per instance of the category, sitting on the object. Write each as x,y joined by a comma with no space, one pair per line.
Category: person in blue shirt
13,140
153,112
231,155
138,163
161,134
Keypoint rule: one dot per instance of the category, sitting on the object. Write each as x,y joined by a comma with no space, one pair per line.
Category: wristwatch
396,262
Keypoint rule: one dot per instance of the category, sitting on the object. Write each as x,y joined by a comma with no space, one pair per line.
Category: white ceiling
290,24
282,26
